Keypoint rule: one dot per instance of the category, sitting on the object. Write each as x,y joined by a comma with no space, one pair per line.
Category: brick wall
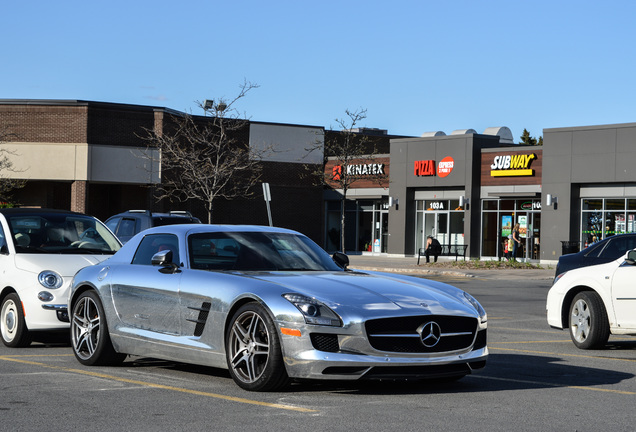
44,123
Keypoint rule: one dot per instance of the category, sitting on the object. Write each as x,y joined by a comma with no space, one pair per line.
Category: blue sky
416,66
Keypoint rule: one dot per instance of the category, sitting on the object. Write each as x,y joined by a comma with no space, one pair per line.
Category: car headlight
556,279
314,311
50,279
480,310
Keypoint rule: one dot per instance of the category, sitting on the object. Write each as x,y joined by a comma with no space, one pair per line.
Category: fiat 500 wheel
12,325
253,350
89,332
589,326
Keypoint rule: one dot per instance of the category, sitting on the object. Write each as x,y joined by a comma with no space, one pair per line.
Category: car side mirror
631,257
341,259
163,259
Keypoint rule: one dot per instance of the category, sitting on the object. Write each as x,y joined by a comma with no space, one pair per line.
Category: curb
418,271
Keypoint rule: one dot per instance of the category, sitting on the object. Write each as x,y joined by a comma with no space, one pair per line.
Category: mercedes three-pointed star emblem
430,333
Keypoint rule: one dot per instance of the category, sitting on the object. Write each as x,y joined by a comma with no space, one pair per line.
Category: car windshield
257,251
60,233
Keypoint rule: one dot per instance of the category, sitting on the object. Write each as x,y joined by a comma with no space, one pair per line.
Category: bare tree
347,150
204,158
7,184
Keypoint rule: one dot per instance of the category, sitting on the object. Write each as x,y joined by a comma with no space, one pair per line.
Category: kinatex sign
512,165
359,170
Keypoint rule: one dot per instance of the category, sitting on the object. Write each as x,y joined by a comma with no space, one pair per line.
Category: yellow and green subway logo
512,165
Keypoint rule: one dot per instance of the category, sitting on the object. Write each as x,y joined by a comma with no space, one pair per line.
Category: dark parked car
602,252
126,225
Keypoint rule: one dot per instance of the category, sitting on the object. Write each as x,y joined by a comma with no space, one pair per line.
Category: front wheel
89,332
13,328
589,326
253,350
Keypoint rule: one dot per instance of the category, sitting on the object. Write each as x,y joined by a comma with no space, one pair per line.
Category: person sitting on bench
432,248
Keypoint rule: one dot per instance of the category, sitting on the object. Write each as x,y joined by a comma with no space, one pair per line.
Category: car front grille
411,334
325,342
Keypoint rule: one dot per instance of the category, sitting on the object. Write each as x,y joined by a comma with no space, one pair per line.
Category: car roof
35,211
185,229
176,213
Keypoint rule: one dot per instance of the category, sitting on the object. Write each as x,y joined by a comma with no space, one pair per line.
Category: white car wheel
589,326
12,326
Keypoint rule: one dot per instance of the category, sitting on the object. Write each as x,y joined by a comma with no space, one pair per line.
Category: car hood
65,265
373,291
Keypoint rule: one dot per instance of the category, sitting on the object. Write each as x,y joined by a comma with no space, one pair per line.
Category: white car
595,301
40,252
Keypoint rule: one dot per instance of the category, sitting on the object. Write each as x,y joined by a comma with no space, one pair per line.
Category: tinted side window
595,250
618,246
3,241
126,228
631,242
151,244
112,224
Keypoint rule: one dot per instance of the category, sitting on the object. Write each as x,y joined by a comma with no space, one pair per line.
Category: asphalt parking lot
535,380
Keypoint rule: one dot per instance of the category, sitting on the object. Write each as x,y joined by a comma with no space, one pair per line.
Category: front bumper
315,364
61,310
348,354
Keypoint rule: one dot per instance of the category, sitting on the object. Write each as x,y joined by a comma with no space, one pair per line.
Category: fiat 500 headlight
314,311
50,279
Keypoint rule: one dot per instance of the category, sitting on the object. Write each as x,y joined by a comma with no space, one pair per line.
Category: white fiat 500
595,301
40,252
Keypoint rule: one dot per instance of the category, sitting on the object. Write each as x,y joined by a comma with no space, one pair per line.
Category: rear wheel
89,332
589,326
253,350
13,328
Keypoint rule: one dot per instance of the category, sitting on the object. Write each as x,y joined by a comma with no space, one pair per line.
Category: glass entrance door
530,227
380,231
436,225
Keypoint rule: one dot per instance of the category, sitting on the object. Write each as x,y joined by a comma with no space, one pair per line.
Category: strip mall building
470,189
465,188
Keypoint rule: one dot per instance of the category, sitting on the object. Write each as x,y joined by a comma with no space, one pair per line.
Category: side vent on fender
204,310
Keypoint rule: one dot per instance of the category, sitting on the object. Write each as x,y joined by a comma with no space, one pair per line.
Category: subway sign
514,165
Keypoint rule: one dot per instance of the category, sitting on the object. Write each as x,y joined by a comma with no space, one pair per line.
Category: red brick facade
296,200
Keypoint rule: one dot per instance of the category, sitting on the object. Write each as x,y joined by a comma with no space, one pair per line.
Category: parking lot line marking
561,354
548,384
528,330
159,386
36,355
530,342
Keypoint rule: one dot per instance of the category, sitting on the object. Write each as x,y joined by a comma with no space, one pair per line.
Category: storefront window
497,225
592,204
490,235
490,205
615,204
443,219
601,218
507,205
366,225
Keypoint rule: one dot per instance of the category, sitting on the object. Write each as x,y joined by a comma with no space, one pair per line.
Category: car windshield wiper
297,269
83,251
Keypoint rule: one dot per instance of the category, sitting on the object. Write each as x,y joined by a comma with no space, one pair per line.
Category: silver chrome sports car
269,305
